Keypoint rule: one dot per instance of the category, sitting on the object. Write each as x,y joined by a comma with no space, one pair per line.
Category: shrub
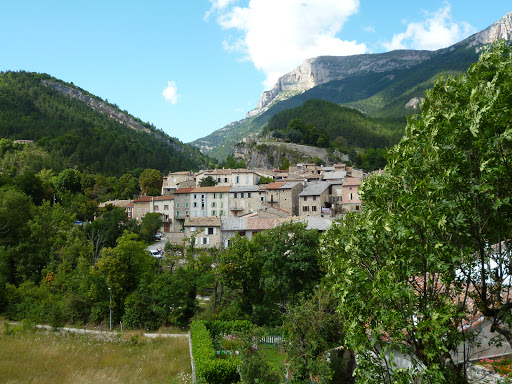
208,368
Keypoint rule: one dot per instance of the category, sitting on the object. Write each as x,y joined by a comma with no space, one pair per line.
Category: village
240,203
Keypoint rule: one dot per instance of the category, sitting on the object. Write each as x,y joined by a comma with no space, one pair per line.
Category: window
194,204
203,214
351,196
225,179
313,208
214,213
177,213
222,212
177,205
210,231
213,204
305,208
214,195
218,179
186,213
314,198
156,208
205,241
195,213
166,207
195,196
138,210
249,195
220,195
238,180
186,205
222,204
192,229
305,198
246,179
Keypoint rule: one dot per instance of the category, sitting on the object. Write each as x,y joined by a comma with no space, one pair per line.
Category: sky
192,67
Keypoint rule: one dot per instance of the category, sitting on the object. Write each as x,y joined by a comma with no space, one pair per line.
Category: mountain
77,129
385,85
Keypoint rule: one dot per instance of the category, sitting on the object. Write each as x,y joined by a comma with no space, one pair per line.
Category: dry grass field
38,356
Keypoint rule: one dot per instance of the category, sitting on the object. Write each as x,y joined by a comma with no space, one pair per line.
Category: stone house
315,199
243,200
284,196
141,206
230,177
181,207
175,180
209,201
164,205
205,231
350,197
244,226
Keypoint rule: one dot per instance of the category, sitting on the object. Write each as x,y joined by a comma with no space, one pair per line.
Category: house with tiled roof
141,206
164,205
282,195
243,200
314,200
230,177
245,226
350,200
205,232
176,180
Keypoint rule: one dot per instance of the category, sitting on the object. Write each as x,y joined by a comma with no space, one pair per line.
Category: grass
36,356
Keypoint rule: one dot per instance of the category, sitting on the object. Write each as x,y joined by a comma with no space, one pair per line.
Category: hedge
209,369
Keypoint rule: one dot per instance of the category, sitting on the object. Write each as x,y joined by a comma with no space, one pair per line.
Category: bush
208,368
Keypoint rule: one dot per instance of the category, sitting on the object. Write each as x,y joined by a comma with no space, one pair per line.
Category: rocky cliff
502,29
320,70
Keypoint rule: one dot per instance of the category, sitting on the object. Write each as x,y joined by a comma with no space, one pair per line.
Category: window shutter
214,230
196,240
206,231
207,240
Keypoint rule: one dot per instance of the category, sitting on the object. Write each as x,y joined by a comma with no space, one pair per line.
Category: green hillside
76,135
344,126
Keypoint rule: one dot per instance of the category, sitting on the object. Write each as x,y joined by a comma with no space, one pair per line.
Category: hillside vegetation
75,135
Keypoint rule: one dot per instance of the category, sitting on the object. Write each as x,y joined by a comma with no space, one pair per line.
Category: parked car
158,236
156,253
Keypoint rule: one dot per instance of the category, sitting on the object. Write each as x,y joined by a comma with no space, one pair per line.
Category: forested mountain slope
80,130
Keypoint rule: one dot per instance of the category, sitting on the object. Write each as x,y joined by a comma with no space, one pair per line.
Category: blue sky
191,67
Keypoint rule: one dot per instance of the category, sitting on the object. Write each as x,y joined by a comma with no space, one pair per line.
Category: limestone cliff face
502,29
322,69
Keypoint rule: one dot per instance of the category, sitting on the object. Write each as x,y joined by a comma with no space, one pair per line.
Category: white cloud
439,30
277,36
170,93
368,28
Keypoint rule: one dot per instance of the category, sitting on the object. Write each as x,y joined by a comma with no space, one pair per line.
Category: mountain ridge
344,72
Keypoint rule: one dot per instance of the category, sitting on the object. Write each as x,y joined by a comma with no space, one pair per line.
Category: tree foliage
406,268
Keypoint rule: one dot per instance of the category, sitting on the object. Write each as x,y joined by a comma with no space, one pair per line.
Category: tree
313,329
150,182
151,223
68,181
208,181
122,268
406,268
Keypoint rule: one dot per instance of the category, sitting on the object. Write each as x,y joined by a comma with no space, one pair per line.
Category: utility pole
110,306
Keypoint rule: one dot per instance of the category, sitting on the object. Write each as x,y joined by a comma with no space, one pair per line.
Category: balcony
236,208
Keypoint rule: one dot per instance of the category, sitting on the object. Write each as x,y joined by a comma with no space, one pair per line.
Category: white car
156,253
